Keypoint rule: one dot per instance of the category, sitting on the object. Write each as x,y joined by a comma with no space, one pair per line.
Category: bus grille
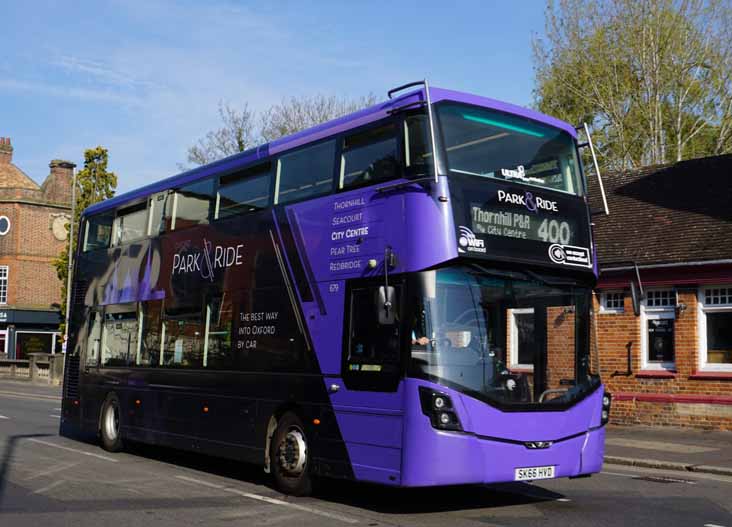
71,377
79,294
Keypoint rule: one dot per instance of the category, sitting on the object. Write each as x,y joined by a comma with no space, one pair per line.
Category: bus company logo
532,202
468,242
569,255
207,260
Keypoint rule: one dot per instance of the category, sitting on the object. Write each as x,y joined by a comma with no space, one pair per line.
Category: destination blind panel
497,221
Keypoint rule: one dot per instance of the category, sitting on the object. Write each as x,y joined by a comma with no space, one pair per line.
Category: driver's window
372,358
372,346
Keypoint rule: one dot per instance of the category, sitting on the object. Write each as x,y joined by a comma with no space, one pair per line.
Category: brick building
672,365
32,233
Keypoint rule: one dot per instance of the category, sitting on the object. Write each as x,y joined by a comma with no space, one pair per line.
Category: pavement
670,448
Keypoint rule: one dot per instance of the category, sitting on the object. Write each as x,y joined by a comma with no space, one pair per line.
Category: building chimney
6,151
57,187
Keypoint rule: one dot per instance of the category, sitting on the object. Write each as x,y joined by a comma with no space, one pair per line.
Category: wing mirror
386,305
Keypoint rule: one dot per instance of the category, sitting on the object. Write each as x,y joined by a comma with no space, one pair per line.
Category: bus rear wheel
109,425
290,457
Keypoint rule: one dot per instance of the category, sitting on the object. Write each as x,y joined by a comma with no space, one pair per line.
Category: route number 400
554,231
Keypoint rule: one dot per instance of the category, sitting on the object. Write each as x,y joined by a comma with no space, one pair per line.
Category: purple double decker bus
400,296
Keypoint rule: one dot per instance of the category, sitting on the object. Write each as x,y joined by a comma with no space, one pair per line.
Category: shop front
23,332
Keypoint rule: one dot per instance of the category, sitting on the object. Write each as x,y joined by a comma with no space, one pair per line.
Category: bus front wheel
109,425
290,457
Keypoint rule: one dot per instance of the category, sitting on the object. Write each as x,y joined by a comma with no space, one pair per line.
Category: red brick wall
29,250
675,400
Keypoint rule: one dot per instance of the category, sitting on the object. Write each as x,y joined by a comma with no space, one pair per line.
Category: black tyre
109,425
290,457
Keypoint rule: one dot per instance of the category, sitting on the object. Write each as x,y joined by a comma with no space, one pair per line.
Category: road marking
49,487
31,395
54,445
3,417
564,500
56,416
272,501
57,468
712,525
676,448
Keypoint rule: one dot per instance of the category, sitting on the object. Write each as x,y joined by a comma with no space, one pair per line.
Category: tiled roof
13,177
666,214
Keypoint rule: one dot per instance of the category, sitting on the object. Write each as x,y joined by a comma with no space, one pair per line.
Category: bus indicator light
316,422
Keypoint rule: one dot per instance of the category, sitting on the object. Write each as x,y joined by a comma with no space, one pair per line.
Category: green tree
653,78
243,129
94,183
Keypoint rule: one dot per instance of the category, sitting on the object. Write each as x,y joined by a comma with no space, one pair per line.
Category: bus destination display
524,225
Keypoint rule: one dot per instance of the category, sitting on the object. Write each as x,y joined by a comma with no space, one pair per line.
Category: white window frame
513,358
4,333
702,311
3,233
6,278
603,302
656,313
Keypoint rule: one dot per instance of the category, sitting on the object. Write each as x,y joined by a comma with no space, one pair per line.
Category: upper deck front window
489,143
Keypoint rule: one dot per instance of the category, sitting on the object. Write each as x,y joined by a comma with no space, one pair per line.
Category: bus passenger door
368,399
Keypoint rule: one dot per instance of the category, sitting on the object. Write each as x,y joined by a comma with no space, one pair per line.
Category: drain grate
664,479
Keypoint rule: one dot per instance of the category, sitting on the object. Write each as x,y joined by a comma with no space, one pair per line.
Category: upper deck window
306,173
488,143
160,212
98,232
244,191
369,157
194,204
130,224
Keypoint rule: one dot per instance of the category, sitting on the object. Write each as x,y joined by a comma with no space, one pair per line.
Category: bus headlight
607,400
438,407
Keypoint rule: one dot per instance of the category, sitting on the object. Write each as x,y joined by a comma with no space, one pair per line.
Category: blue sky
144,78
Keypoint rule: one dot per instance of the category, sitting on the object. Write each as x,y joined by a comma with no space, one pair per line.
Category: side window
372,347
369,157
151,341
306,173
417,150
98,231
120,334
184,334
194,204
130,224
244,191
93,342
219,353
161,213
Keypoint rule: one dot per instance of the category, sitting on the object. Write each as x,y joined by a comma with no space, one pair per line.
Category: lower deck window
119,335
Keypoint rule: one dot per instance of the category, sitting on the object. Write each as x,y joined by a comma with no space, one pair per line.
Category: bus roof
347,122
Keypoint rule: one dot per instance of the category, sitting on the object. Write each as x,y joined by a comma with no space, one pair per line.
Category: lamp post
71,256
